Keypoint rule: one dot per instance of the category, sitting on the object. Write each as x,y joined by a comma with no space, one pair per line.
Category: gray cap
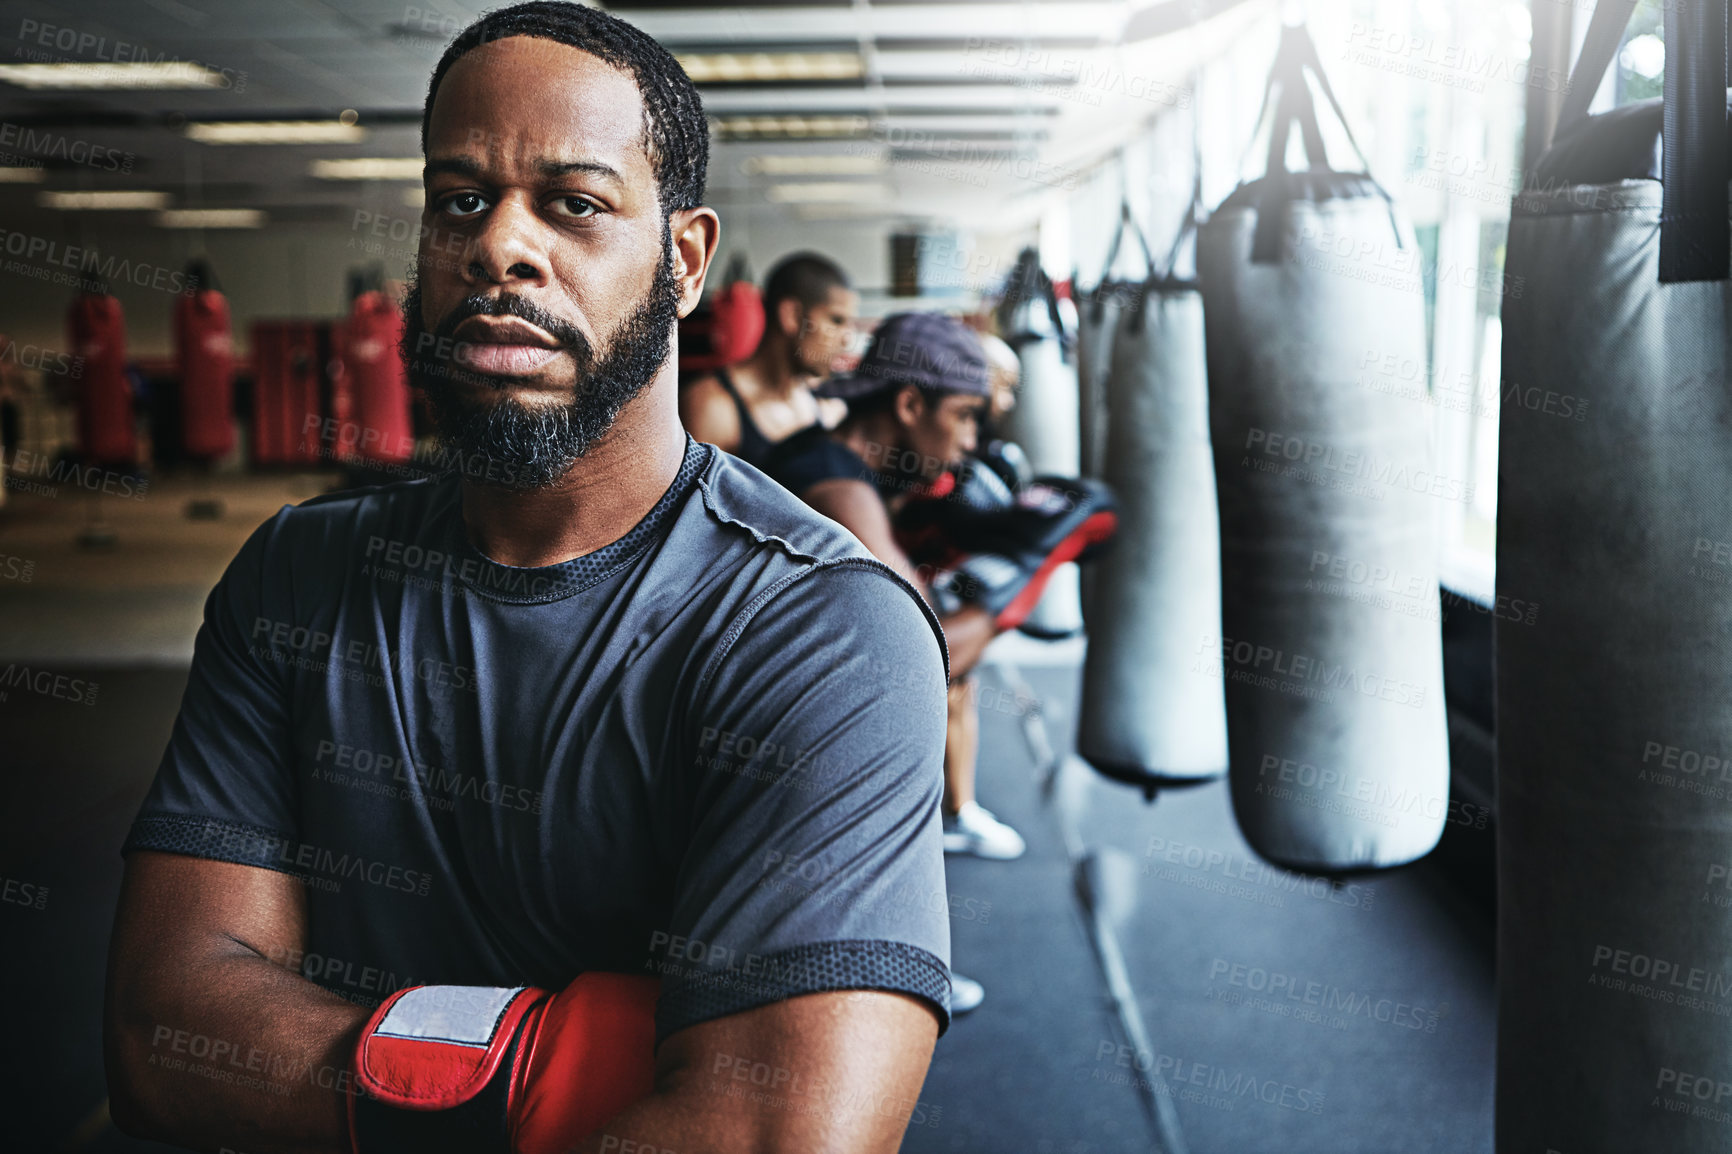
930,350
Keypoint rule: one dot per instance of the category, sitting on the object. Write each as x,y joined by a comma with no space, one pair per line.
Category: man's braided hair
676,135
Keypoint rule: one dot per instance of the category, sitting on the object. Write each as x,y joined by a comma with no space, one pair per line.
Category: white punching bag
1149,715
1044,421
1334,694
1614,708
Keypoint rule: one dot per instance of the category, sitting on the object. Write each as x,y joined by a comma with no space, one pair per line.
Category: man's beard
498,439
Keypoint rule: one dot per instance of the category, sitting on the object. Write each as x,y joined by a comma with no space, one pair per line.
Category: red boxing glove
489,1070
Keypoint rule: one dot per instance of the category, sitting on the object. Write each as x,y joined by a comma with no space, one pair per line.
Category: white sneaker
965,994
975,830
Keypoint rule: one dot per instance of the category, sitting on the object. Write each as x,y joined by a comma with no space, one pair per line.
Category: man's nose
508,248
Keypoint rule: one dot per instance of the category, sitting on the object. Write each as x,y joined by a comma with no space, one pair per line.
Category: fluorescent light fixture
275,132
791,127
13,174
829,192
104,199
369,168
140,74
211,218
832,164
768,67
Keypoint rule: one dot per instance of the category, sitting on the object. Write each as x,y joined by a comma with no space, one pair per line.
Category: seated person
808,314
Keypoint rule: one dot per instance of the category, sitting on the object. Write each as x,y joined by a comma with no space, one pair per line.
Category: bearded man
526,807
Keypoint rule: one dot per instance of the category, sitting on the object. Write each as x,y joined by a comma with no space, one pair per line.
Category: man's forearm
241,1053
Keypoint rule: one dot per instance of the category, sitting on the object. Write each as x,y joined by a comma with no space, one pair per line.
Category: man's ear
696,232
910,406
790,317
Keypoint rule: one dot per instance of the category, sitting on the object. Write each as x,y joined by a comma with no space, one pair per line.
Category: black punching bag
1335,714
1614,707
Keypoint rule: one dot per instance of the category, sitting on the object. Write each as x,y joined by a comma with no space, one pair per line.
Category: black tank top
753,444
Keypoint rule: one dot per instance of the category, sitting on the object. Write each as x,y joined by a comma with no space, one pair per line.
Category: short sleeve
224,787
815,861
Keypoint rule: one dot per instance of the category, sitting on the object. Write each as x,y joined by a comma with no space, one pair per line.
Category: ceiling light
211,218
832,164
791,127
104,199
66,77
369,168
275,132
12,174
764,67
828,192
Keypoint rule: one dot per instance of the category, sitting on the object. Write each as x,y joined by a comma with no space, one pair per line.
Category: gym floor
1249,1011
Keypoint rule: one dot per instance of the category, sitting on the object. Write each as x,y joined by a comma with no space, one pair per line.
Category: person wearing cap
915,403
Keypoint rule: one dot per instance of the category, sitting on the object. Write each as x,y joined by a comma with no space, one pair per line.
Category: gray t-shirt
710,751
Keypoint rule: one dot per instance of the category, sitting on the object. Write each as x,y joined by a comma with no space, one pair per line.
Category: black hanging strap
1695,235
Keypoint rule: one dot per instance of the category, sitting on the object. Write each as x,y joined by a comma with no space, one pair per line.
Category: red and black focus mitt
490,1070
1001,560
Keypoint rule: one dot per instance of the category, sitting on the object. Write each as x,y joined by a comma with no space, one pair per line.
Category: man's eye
463,204
575,206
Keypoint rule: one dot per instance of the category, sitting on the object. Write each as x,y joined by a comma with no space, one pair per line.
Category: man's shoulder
826,566
325,529
746,499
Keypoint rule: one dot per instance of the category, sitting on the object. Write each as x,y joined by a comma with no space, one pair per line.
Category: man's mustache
509,305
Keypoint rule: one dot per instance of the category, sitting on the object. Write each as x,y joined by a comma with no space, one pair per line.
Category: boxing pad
107,433
204,354
1614,743
1044,421
378,382
485,1069
929,524
1149,714
1003,560
1334,689
738,313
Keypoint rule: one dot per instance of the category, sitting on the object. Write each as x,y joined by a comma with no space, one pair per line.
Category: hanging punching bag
1150,715
106,431
1044,421
204,354
1614,740
739,315
378,382
1334,693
